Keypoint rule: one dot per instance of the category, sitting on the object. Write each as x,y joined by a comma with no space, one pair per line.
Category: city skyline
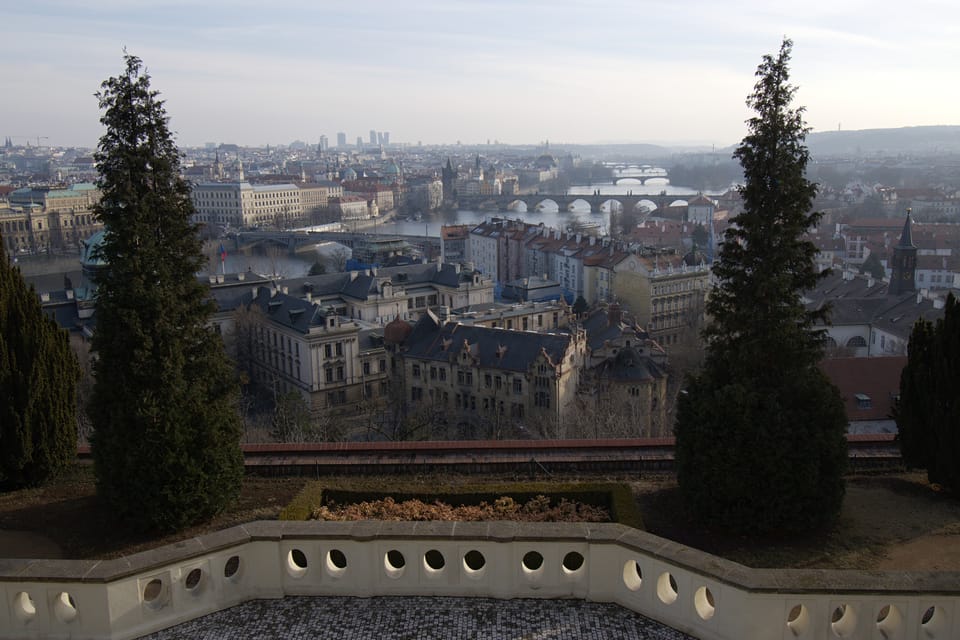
516,73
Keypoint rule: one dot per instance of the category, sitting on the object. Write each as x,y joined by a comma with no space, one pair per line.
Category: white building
241,204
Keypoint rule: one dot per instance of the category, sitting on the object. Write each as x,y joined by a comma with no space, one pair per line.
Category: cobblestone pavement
421,618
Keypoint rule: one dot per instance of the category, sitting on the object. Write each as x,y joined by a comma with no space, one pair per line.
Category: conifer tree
38,386
928,412
760,430
166,428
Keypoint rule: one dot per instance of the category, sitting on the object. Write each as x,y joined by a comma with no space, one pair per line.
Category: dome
348,174
396,331
391,169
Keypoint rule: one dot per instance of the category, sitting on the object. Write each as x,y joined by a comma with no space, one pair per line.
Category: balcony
693,592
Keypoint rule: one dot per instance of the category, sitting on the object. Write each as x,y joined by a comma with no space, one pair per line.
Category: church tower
904,267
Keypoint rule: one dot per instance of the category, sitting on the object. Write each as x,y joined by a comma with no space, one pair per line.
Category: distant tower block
373,136
341,139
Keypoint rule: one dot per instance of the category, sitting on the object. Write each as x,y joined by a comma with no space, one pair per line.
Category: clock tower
904,265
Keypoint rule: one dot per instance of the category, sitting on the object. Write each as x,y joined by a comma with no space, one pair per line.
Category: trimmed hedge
617,498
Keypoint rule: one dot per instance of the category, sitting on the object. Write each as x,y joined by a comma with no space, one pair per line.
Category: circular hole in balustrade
889,621
394,563
64,607
667,588
843,621
193,579
152,592
703,602
434,560
798,620
532,561
474,560
336,563
572,562
632,575
24,607
296,563
934,623
231,570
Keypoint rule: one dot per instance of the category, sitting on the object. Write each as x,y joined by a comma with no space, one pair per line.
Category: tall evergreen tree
928,412
166,428
760,430
38,386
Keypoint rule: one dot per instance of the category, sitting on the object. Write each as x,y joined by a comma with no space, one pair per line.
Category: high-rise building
324,143
359,142
341,139
373,136
380,137
386,138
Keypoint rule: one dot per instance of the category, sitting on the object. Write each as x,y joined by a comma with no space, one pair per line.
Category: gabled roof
494,348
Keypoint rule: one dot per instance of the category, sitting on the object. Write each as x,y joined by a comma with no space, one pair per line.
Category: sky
440,71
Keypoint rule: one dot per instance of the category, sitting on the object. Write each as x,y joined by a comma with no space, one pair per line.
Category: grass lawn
890,521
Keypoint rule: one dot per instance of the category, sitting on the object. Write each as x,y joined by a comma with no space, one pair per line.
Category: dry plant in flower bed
538,509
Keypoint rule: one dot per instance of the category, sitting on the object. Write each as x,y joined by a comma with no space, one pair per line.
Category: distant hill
887,142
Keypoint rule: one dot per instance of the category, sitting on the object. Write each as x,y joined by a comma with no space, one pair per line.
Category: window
863,401
443,374
497,382
339,373
339,348
329,374
517,385
487,380
416,371
541,399
366,368
383,365
433,373
416,394
328,351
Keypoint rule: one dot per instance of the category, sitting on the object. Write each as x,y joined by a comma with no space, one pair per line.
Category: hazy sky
439,71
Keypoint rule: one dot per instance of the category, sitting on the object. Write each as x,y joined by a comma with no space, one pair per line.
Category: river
298,265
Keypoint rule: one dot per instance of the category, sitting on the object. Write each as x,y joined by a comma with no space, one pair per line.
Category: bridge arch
649,205
579,204
517,205
544,204
679,202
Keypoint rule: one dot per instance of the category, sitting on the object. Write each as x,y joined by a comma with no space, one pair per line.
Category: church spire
904,264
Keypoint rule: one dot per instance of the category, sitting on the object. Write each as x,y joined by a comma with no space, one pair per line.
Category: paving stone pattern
421,618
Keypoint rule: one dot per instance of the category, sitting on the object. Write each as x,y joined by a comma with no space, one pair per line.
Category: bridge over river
564,202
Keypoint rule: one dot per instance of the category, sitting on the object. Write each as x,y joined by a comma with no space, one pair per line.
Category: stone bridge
564,201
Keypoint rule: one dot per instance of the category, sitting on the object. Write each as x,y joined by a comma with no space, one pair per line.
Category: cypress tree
166,428
760,430
928,412
38,386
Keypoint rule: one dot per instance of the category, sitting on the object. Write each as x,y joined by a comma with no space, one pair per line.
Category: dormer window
863,401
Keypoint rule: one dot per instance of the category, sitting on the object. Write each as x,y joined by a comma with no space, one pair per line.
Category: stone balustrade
703,595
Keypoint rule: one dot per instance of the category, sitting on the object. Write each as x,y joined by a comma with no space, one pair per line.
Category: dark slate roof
495,348
629,366
365,282
855,301
288,311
